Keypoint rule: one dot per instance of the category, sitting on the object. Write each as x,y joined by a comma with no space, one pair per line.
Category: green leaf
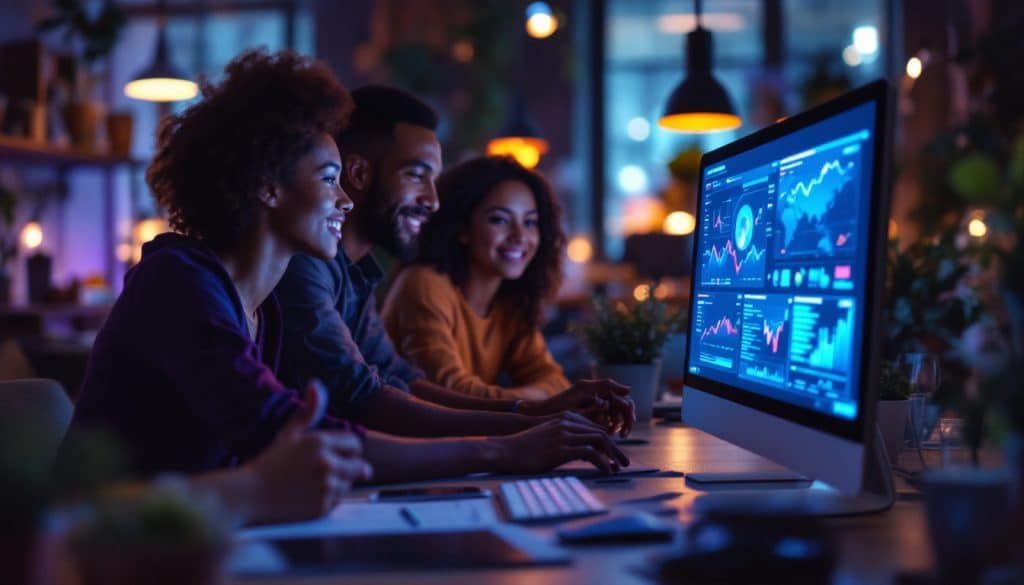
977,178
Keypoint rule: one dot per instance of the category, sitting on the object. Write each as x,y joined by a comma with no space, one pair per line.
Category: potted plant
92,34
626,342
893,390
159,534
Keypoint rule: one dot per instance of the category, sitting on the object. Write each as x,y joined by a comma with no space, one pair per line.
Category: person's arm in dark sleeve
379,350
318,343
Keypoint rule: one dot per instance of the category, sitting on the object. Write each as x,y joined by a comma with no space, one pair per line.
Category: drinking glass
923,374
951,443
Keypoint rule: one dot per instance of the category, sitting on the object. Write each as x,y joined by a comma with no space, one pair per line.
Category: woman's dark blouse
174,373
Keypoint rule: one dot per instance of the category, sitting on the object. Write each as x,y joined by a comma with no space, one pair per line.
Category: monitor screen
781,264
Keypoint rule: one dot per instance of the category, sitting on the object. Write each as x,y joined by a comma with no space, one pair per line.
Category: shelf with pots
25,151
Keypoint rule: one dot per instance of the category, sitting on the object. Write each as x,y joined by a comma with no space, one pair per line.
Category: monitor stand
877,494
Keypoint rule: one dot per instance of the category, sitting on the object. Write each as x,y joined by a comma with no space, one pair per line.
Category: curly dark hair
461,189
216,157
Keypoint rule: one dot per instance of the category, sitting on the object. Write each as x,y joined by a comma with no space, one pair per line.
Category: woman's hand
303,473
605,402
559,441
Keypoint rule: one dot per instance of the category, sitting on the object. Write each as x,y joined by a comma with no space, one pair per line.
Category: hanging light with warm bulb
519,138
699,104
161,81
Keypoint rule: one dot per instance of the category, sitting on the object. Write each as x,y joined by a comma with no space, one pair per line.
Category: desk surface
873,548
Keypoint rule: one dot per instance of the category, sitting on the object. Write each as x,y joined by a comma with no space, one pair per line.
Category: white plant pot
642,380
892,420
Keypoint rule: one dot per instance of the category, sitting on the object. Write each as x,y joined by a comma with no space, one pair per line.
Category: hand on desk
559,441
605,402
304,474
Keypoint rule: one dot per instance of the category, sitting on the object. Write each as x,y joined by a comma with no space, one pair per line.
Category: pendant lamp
519,137
699,104
161,81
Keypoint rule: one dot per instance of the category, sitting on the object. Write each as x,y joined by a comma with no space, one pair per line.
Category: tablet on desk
498,547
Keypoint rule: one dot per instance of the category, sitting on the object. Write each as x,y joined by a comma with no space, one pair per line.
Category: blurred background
574,87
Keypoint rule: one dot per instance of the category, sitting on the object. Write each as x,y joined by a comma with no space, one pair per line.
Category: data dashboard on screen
780,265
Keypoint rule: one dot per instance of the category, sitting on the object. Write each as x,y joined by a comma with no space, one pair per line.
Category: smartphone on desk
428,494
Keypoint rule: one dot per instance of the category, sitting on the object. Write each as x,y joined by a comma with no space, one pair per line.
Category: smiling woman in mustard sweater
467,311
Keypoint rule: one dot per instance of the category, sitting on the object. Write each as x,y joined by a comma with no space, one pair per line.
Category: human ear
358,172
271,195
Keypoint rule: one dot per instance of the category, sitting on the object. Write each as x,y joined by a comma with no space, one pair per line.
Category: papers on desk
256,554
362,517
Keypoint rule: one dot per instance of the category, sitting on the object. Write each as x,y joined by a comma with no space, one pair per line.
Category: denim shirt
333,332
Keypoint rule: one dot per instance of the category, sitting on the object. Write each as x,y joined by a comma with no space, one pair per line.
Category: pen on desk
409,516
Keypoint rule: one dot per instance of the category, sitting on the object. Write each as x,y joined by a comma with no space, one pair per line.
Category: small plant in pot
893,391
154,535
92,30
626,342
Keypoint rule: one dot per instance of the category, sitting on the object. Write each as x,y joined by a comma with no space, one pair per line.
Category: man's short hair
378,108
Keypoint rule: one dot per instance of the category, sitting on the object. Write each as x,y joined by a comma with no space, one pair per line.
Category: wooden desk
873,548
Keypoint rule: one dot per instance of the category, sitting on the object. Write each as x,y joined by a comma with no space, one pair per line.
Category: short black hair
378,108
215,158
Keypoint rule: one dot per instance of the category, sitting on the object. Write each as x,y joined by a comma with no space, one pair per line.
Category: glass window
644,62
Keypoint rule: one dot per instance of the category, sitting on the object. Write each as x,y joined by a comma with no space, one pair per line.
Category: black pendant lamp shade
161,81
699,103
519,137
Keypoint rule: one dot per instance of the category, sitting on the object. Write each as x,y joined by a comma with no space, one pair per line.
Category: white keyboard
549,498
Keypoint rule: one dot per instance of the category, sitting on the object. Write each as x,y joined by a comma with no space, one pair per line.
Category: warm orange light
977,228
894,229
541,26
32,235
463,51
679,223
144,231
642,292
579,250
526,150
161,89
700,122
124,252
640,215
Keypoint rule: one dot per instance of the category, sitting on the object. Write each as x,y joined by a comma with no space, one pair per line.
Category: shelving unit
22,152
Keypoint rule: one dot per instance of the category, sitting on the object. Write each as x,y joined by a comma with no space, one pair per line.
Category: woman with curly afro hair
183,370
468,311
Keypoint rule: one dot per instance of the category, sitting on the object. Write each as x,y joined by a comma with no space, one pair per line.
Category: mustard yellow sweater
433,327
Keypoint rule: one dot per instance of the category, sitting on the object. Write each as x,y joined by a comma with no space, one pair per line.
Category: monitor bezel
858,429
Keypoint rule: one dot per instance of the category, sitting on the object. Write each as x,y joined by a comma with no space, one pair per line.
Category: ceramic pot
82,120
968,520
892,421
119,133
642,380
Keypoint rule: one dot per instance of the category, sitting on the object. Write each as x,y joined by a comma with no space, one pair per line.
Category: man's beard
383,224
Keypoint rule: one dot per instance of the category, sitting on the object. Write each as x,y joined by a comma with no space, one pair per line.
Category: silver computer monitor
786,297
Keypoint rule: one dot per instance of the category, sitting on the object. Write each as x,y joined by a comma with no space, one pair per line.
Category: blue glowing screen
781,263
